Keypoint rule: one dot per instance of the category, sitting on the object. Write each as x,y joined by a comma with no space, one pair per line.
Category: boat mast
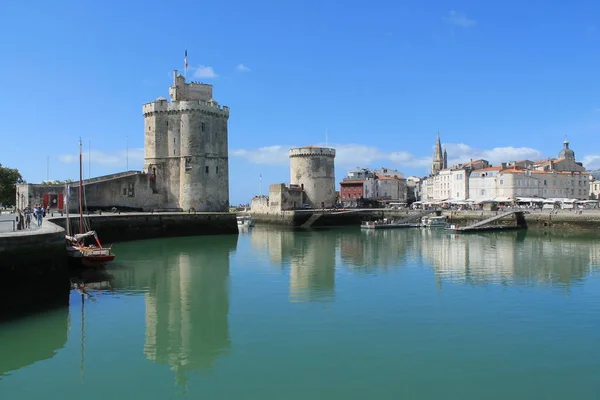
66,203
80,188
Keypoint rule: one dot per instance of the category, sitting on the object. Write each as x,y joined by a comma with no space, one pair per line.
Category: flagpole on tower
185,64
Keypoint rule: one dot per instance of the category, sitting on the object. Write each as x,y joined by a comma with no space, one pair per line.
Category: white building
413,188
449,184
483,184
594,188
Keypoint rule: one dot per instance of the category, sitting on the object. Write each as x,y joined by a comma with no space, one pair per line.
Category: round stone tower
312,168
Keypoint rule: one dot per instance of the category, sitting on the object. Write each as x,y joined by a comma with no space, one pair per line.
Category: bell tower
439,157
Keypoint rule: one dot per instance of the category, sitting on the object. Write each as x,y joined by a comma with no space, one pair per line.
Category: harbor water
324,314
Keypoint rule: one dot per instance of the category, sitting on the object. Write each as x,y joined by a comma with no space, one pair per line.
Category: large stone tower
186,149
313,169
440,159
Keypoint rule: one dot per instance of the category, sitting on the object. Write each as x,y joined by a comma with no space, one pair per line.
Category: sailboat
85,245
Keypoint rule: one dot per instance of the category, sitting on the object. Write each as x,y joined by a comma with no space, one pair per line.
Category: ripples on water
322,314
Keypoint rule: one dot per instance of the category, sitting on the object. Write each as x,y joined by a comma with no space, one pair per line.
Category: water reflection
375,250
32,339
510,257
187,300
310,256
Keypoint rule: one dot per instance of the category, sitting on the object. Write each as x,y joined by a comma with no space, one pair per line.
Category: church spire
438,157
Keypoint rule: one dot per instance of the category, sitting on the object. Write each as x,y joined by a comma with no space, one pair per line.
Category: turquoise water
337,314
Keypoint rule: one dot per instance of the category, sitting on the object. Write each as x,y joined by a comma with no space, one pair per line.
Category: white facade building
594,188
448,184
499,184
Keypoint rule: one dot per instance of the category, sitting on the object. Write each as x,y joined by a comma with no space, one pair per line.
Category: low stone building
132,190
281,197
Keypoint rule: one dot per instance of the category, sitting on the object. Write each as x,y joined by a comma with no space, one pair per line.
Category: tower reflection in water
310,256
187,301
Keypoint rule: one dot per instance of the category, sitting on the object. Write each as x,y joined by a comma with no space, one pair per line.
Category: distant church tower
186,149
440,159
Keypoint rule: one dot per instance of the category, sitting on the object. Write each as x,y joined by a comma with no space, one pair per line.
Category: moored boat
385,224
80,247
434,221
245,221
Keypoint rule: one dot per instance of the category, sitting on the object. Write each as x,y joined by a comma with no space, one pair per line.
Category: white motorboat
434,221
245,221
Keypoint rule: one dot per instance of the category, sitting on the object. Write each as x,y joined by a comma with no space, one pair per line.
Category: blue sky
505,80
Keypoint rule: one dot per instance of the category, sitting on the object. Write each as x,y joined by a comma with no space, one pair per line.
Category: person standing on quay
27,218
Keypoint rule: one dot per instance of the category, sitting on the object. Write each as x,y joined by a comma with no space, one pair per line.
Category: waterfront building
413,189
478,181
365,185
561,177
594,188
186,163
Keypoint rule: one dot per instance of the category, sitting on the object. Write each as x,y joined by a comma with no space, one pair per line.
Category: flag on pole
185,59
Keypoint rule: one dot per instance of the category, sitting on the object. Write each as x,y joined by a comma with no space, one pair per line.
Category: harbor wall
125,227
588,220
34,273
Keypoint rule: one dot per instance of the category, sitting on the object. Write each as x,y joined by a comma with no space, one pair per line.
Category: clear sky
500,80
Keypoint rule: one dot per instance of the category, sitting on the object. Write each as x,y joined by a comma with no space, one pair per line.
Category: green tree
9,177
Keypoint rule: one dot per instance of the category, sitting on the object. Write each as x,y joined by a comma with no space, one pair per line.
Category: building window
502,181
206,169
217,169
188,163
202,126
124,191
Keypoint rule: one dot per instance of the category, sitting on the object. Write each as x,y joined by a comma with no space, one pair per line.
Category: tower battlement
161,105
312,151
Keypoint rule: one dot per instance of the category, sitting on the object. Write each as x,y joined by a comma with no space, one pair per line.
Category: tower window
188,163
206,169
217,167
202,126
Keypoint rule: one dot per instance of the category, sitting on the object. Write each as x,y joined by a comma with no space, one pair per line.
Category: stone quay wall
588,220
135,226
34,271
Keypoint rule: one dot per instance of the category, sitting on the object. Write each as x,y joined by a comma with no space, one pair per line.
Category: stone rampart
33,270
135,226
